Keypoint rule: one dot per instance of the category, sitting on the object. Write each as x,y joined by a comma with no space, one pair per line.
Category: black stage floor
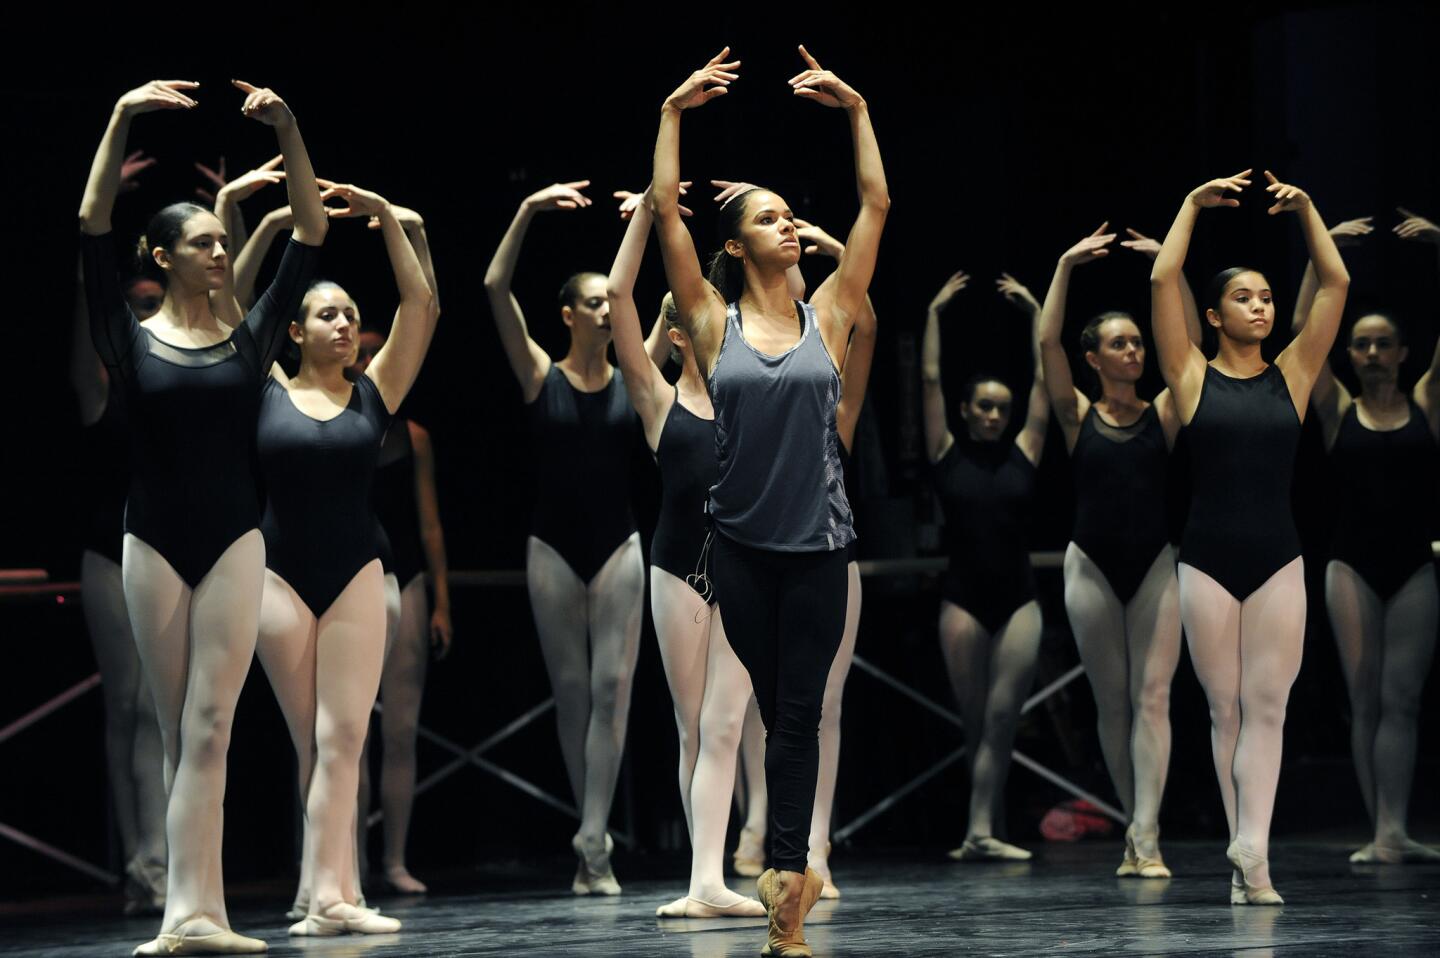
1065,902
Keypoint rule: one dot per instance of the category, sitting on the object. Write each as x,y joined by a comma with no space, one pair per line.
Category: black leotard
686,456
986,489
583,444
394,500
1120,520
1387,483
105,451
318,525
192,411
1243,439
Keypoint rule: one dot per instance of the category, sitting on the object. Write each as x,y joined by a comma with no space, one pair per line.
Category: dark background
1006,136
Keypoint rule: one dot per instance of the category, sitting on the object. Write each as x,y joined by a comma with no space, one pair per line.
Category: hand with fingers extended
822,86
264,104
729,189
1093,247
953,285
1017,294
630,202
1288,197
1217,192
1416,227
1351,232
246,184
358,202
135,164
559,196
821,242
1141,243
705,84
217,177
157,95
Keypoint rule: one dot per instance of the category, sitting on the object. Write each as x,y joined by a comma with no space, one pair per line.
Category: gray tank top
780,485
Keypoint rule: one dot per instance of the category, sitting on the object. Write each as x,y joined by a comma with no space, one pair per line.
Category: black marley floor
1065,902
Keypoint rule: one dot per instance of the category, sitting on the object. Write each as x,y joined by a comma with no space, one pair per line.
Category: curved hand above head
957,281
1287,196
630,202
706,83
158,95
821,242
1093,247
112,169
264,104
938,437
1416,227
1217,192
823,86
135,164
1017,294
1142,244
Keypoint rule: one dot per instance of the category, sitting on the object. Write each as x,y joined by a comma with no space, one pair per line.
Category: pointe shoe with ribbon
788,897
749,857
594,877
342,919
206,939
1146,866
1246,861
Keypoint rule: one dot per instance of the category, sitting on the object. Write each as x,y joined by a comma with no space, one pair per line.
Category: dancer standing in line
1380,586
193,563
709,686
781,518
1242,577
135,757
1121,592
583,565
322,624
990,624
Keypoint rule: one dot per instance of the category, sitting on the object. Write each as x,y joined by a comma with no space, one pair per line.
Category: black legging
784,616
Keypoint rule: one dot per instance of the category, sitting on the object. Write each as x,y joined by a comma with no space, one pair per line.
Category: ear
567,316
676,337
735,248
297,333
1213,318
1092,360
161,256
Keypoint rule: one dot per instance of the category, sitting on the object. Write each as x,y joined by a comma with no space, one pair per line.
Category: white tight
990,677
590,639
1130,653
1246,655
195,647
711,691
750,783
830,729
1385,650
325,673
133,753
402,687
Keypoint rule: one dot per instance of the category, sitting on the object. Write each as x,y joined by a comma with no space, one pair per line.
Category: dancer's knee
1153,702
1225,716
205,737
342,740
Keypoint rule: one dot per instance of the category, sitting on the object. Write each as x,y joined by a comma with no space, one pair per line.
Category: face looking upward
766,232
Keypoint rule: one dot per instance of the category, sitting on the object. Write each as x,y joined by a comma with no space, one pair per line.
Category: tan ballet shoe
1145,865
788,897
1364,856
1244,860
989,849
1127,867
344,919
1408,852
594,878
749,857
221,942
690,907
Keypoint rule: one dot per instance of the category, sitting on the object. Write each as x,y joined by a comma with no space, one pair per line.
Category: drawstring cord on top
699,580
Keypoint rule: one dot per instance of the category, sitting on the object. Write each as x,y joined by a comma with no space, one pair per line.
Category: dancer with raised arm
1242,577
322,624
194,559
990,624
583,562
1121,593
781,519
1380,586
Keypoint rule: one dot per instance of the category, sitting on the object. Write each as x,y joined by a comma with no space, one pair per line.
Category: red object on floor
1073,820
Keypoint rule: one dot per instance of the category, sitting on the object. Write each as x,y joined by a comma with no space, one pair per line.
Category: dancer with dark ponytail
1242,577
1121,592
1380,586
194,559
990,623
583,562
780,514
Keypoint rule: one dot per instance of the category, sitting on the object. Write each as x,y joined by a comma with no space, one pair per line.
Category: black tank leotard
686,456
1243,439
583,444
319,525
1387,483
191,411
395,502
105,450
1120,520
986,489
